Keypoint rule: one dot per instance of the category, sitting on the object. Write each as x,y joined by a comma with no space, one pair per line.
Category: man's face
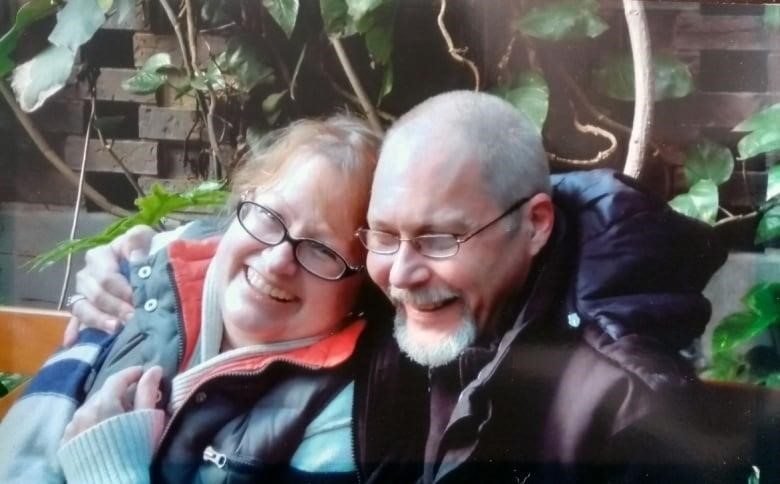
424,185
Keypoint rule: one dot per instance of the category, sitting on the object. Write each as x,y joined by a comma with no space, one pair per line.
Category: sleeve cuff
116,451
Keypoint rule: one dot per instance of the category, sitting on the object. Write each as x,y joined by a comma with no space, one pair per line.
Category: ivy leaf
243,62
772,381
701,202
28,14
285,12
336,19
77,22
772,17
379,41
359,9
764,299
769,226
765,119
42,76
615,77
272,106
759,142
151,76
566,20
9,381
737,329
387,82
105,5
151,210
530,94
773,182
707,160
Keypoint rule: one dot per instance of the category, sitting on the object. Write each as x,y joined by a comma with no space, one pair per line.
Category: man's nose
280,259
409,268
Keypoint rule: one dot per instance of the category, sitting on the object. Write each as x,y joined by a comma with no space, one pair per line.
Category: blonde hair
347,142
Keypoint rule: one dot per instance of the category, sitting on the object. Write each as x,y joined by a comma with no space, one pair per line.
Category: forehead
422,183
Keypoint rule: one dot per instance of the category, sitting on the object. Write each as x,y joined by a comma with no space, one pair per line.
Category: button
573,320
200,397
150,305
144,272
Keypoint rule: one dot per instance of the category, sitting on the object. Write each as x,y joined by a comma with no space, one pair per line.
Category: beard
427,354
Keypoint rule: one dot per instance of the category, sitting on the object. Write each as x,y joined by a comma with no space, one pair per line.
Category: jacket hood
639,266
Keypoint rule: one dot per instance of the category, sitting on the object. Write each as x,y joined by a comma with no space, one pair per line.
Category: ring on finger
73,299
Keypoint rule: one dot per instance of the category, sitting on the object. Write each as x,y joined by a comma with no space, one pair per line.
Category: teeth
258,282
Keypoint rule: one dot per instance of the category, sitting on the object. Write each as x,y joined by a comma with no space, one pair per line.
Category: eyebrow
452,217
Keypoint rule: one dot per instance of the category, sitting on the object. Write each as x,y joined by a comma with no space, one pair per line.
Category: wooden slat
694,31
61,116
166,123
140,157
109,86
145,45
713,109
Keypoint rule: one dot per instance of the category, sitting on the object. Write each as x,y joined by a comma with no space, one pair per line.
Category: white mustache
420,297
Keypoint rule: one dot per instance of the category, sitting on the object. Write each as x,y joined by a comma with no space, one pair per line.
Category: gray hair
514,163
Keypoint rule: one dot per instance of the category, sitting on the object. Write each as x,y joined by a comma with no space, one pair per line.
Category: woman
250,334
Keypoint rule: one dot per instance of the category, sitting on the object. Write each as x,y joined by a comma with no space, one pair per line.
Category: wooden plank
135,20
145,45
694,31
109,86
713,109
140,157
166,123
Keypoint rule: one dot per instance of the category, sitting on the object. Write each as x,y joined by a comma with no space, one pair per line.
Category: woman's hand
108,297
117,397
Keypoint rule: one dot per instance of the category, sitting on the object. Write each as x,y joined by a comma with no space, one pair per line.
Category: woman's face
265,295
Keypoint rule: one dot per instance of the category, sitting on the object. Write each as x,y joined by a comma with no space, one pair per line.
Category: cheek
378,267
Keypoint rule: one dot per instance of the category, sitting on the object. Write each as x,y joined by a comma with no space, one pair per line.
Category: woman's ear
540,220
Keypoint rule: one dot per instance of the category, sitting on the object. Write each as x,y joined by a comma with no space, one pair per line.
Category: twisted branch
454,52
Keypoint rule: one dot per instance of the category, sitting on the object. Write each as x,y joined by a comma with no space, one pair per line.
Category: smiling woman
218,319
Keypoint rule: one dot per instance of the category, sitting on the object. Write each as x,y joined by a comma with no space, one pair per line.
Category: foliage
28,14
9,381
530,94
730,361
151,210
614,77
707,165
566,20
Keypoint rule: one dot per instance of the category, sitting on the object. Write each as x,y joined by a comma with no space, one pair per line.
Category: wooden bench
28,337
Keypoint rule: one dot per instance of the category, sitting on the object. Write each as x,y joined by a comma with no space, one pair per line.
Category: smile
433,305
260,284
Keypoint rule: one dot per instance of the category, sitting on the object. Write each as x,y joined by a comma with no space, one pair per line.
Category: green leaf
379,42
773,182
769,226
336,19
615,77
105,5
766,119
156,62
244,63
387,82
773,380
42,76
530,94
272,106
764,299
151,209
28,14
566,20
359,9
701,202
285,12
9,381
143,82
759,142
736,329
707,160
772,17
77,22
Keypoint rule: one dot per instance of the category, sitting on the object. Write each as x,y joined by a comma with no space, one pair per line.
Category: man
548,339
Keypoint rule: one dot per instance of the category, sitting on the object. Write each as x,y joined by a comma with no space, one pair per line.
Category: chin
433,352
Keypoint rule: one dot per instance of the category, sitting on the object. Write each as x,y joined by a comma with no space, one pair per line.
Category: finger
107,297
134,244
116,386
71,332
148,390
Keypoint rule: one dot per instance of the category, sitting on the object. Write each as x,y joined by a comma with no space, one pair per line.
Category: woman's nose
280,259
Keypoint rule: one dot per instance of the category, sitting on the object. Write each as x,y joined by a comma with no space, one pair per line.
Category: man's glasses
435,246
266,226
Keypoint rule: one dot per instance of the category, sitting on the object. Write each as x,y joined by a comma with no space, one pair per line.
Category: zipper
216,458
353,436
179,318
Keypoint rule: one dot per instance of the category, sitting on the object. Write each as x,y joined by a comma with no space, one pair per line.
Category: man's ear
540,219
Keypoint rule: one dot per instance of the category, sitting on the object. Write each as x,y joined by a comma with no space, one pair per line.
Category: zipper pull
211,455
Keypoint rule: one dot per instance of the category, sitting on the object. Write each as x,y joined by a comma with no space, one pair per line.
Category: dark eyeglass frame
363,233
347,271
